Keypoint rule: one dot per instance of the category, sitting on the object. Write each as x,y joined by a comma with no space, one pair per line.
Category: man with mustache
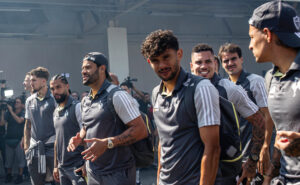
110,160
39,132
274,29
232,61
186,113
67,122
204,64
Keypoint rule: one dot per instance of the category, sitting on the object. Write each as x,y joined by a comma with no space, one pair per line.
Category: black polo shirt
66,126
284,106
101,123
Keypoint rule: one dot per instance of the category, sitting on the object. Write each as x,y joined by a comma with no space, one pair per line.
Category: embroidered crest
296,20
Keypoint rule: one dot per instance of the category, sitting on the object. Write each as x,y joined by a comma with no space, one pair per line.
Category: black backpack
230,142
143,150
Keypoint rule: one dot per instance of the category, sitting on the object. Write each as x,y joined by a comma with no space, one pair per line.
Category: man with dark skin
103,134
274,29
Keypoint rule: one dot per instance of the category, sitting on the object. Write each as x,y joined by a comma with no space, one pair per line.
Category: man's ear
268,34
179,53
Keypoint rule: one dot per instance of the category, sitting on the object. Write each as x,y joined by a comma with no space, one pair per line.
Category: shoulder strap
110,95
190,93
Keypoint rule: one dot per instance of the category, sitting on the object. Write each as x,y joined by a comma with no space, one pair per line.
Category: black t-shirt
14,130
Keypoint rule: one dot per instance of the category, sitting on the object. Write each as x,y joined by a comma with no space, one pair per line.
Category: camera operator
14,118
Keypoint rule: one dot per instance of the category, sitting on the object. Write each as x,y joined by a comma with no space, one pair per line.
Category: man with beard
39,132
67,122
110,160
274,29
204,64
186,113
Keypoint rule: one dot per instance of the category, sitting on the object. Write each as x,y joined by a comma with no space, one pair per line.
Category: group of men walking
67,140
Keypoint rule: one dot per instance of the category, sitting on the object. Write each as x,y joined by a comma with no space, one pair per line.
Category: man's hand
74,142
98,147
288,141
264,160
9,108
82,169
249,171
56,174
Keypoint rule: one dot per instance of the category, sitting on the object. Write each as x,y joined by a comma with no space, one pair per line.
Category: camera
4,103
128,81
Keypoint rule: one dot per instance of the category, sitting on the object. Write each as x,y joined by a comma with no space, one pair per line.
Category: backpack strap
191,83
215,81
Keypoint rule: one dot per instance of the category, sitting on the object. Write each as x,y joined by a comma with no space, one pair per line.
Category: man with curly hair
187,115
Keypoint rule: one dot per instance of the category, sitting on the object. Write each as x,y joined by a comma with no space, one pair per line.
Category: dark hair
40,72
124,84
202,47
60,77
229,48
157,42
20,98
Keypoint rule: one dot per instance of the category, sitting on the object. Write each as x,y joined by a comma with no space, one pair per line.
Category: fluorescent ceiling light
14,10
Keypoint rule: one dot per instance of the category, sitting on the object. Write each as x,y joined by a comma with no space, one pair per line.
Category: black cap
281,18
99,59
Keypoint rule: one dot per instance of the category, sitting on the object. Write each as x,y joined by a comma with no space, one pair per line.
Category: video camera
5,95
128,81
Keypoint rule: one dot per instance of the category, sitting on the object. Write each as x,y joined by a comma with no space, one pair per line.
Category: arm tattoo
258,132
294,148
126,138
273,171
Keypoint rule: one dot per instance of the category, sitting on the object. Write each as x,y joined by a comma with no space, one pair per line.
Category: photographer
14,118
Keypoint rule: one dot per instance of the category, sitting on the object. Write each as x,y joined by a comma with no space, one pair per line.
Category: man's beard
61,99
173,73
92,78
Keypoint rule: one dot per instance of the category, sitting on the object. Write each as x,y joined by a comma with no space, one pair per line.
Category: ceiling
60,19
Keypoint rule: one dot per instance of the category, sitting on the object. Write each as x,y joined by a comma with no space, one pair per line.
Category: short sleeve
125,106
238,96
27,109
259,92
78,114
207,106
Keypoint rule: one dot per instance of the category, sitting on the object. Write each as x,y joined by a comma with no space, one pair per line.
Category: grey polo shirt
101,123
284,106
181,145
237,95
40,114
254,85
66,125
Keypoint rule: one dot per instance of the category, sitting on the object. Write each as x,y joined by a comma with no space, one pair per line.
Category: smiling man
110,160
204,64
186,112
275,37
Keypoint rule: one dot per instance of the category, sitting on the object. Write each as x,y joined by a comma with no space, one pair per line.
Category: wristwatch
110,144
254,157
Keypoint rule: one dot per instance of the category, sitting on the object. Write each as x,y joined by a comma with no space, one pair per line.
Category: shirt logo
295,86
296,20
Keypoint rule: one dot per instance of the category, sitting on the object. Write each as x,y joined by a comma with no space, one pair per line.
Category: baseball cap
99,59
281,18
